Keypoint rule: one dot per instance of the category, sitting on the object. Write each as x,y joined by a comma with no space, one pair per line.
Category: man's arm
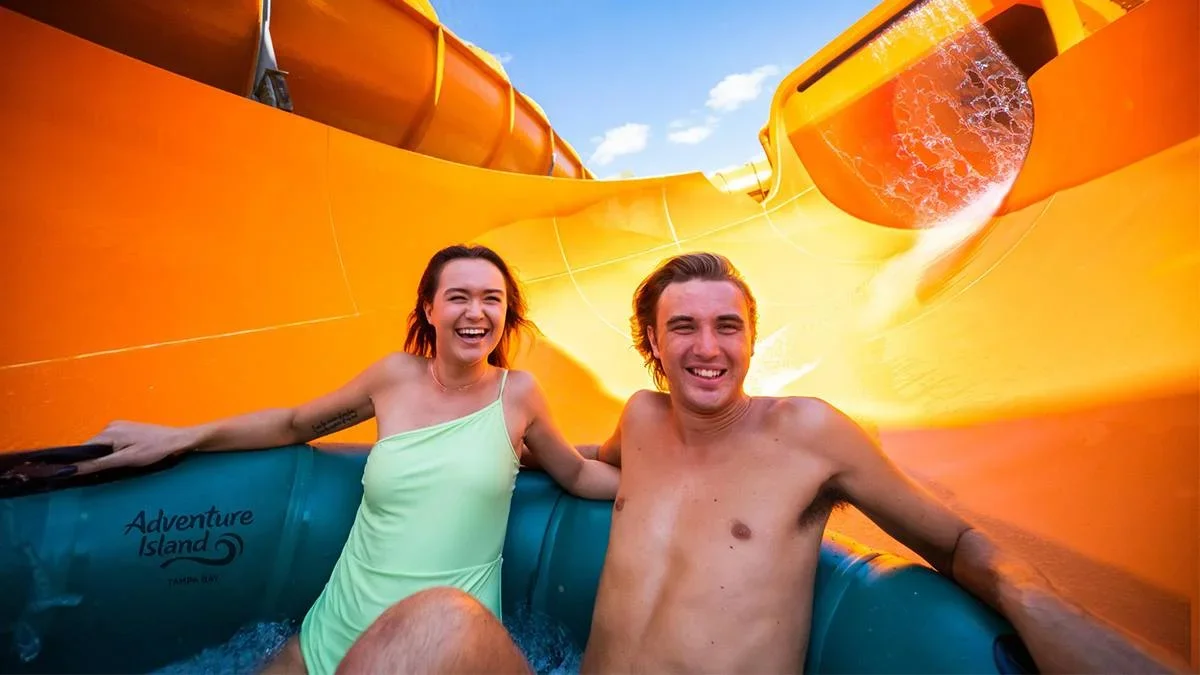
1061,636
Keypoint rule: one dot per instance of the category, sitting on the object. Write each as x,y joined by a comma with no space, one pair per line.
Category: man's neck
700,427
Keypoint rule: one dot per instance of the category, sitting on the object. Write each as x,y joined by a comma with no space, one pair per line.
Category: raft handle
48,469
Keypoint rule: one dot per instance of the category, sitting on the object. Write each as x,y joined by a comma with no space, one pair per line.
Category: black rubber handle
64,454
47,469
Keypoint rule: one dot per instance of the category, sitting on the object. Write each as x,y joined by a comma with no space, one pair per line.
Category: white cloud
505,57
627,139
688,133
691,135
738,88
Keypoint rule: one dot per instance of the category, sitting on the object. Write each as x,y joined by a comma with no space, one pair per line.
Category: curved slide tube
192,254
383,69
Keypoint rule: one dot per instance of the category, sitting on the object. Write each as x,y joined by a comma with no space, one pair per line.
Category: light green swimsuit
433,513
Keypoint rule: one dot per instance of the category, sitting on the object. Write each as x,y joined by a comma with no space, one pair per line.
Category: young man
717,525
724,497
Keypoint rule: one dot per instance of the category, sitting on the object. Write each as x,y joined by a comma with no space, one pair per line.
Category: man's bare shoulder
796,414
805,419
818,425
645,404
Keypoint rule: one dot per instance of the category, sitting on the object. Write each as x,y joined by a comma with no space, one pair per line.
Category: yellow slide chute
1027,343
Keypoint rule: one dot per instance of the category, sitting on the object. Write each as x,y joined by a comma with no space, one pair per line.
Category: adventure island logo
204,537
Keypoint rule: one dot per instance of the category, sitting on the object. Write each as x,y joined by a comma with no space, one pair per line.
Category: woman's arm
582,477
138,444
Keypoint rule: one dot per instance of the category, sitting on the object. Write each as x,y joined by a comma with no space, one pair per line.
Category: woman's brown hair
422,338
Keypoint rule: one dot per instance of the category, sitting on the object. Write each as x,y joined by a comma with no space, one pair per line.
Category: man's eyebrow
678,318
730,317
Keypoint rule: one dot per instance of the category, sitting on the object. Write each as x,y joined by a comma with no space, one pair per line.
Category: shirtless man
718,520
724,497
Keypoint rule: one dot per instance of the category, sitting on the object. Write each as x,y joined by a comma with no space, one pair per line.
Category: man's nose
474,309
706,344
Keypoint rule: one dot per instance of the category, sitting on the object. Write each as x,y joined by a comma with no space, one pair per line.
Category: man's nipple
619,504
740,530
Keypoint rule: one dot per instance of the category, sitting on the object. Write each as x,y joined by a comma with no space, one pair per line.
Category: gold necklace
462,387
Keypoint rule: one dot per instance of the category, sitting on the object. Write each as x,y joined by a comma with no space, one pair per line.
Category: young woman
438,481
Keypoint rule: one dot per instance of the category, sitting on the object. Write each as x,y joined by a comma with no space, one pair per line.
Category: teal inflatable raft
127,572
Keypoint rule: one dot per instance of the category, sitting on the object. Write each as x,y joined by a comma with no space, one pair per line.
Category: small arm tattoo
339,421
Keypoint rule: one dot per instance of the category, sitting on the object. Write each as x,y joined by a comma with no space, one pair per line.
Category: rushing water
961,123
962,116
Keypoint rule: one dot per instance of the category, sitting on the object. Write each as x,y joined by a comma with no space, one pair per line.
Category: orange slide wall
174,252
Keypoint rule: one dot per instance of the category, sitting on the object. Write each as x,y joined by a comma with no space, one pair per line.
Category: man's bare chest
756,498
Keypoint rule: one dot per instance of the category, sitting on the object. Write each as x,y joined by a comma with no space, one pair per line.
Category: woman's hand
135,444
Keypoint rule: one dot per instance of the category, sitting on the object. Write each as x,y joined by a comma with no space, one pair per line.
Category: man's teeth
707,373
472,332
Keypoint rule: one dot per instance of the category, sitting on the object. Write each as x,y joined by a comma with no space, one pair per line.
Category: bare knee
436,630
442,602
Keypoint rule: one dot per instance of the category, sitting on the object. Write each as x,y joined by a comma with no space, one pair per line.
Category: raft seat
134,569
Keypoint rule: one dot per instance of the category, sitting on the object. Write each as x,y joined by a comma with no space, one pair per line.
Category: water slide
978,235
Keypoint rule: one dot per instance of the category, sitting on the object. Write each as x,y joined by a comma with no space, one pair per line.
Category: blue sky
654,87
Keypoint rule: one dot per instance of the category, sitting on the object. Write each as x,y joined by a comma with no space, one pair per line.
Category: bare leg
440,630
289,660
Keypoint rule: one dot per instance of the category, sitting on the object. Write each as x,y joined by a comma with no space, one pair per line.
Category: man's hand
1060,636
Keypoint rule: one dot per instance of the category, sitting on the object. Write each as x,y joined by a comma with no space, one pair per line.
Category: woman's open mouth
472,335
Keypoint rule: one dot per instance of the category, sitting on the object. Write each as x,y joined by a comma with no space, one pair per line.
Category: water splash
544,641
248,651
961,125
962,119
